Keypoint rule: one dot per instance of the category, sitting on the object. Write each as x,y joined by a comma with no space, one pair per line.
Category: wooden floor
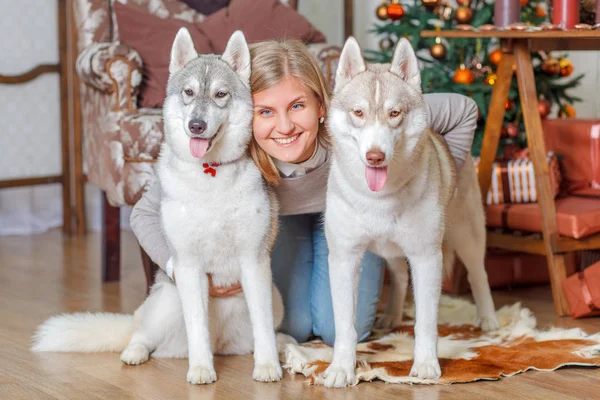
47,274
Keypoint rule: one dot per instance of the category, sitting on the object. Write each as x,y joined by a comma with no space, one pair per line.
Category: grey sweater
453,116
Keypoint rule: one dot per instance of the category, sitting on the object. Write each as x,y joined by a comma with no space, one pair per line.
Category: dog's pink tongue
198,147
376,177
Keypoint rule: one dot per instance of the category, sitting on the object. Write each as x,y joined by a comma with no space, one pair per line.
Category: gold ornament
551,67
496,56
382,12
465,3
430,4
463,75
385,44
566,67
395,11
463,15
438,50
491,79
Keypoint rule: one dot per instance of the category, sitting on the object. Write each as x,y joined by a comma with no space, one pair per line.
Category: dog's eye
358,112
221,93
394,113
189,92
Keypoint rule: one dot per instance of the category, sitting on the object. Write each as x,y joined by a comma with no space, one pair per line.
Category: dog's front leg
257,285
426,271
343,276
192,284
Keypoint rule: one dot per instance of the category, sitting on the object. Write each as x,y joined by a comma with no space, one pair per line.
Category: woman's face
286,120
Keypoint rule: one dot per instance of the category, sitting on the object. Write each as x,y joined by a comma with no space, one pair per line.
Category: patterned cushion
161,8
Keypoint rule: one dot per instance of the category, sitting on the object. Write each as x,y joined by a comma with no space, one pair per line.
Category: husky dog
393,189
220,222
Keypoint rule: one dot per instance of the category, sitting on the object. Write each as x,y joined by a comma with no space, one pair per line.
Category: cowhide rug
466,353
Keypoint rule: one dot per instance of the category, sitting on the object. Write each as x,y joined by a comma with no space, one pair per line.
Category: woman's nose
285,125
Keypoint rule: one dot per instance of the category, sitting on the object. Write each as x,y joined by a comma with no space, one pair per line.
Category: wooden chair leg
111,241
80,178
150,269
537,148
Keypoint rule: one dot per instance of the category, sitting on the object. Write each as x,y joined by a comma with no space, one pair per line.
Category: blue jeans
301,273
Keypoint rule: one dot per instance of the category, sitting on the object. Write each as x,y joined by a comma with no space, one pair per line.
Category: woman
290,146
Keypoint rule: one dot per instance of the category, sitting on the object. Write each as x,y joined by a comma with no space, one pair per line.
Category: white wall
29,113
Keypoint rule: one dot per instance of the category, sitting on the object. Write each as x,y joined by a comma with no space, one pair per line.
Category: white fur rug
466,353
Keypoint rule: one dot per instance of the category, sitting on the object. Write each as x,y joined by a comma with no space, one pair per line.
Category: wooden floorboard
46,274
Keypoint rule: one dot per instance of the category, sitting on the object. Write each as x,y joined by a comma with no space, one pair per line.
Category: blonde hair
272,61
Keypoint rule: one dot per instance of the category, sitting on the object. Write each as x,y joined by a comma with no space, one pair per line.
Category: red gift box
508,268
577,142
513,181
582,291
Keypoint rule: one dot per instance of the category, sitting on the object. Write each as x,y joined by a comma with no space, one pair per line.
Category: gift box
578,143
576,216
513,181
512,269
582,291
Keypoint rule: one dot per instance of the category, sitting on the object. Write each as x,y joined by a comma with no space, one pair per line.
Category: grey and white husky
393,189
218,217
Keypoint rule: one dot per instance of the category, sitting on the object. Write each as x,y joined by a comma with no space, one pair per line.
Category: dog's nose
197,126
375,157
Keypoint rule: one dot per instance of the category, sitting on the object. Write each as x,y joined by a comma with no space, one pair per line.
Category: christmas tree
467,66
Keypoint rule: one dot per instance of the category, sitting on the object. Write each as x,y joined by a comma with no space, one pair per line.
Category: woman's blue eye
297,106
265,112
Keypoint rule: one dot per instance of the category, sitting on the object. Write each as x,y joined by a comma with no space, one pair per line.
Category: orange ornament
463,75
496,56
540,12
567,112
566,67
509,105
395,11
524,3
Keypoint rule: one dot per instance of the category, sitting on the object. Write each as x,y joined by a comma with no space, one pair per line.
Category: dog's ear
351,63
182,52
405,64
237,55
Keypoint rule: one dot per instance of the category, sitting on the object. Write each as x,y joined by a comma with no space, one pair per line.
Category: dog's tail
84,332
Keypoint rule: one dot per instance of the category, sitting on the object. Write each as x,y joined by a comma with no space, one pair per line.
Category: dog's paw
267,372
387,322
201,375
488,323
428,369
337,376
135,354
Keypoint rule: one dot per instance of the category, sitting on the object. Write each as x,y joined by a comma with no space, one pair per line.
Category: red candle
565,13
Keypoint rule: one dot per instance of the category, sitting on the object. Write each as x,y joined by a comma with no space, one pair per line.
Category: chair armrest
328,56
112,68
